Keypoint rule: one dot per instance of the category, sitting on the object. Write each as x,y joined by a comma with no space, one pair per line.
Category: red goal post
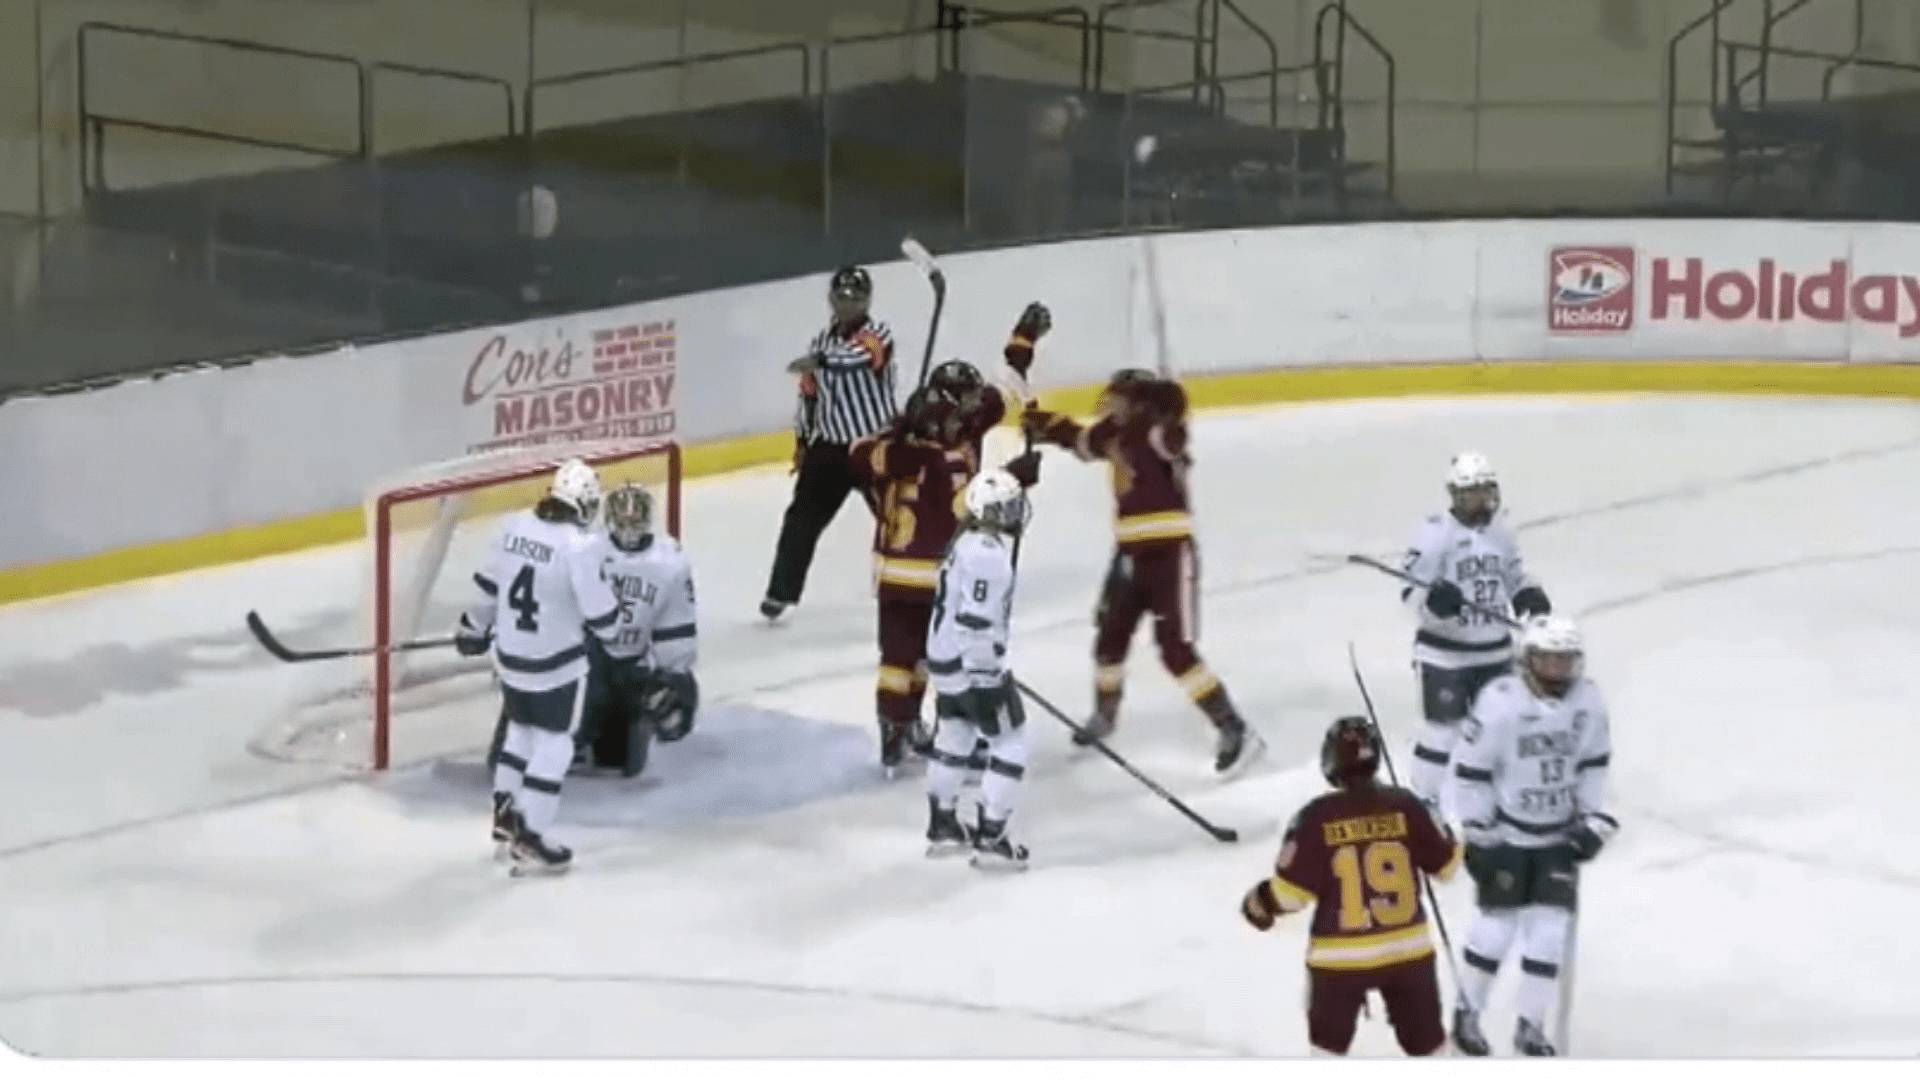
427,531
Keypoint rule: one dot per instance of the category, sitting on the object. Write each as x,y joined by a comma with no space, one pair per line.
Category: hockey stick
299,656
1395,572
1218,832
1157,306
917,253
1426,883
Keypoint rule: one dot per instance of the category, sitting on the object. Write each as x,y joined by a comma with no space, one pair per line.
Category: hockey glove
1259,908
674,710
1590,835
1035,422
1025,468
1531,602
1445,599
471,641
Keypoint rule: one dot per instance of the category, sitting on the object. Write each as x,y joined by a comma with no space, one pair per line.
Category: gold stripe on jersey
907,573
1291,897
1163,525
1369,951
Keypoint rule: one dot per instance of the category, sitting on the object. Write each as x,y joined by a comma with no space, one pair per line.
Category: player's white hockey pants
534,760
1542,933
1006,766
1431,774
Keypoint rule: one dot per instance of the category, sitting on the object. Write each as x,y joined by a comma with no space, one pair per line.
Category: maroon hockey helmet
1350,753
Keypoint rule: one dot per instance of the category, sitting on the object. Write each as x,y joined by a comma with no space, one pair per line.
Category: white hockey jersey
972,613
1532,767
543,594
654,590
1485,563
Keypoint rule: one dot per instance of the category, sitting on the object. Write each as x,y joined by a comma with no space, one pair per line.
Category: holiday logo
1590,290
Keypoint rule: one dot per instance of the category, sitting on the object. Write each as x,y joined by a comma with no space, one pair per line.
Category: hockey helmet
1553,655
932,412
1349,753
1122,390
630,517
958,378
577,487
1474,488
995,500
850,291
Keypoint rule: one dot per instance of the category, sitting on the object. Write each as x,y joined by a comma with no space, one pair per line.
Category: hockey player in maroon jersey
919,471
1355,855
1141,433
984,406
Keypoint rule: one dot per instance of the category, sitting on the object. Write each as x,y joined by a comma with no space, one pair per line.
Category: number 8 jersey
1485,563
543,594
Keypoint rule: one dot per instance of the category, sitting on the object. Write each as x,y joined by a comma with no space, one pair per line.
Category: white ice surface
1746,573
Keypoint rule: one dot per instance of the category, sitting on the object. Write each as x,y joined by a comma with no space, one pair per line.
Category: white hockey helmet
995,500
1475,488
578,486
1553,655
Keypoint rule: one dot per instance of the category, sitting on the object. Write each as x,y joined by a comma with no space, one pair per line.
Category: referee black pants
820,486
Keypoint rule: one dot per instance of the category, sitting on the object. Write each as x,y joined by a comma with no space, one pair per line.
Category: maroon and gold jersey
1149,465
1355,856
920,488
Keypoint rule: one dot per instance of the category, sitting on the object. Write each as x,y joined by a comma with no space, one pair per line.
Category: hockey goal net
427,532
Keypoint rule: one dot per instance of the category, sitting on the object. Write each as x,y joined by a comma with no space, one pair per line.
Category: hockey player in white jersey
543,596
643,683
974,695
1532,772
1471,564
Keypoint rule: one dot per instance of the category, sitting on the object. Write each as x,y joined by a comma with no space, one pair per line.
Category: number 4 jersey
1485,563
543,595
1356,856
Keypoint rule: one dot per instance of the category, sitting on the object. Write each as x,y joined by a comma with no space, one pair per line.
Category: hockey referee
846,393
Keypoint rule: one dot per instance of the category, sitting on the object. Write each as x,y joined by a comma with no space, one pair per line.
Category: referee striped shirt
853,389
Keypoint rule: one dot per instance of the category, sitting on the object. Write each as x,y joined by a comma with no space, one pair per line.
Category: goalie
642,685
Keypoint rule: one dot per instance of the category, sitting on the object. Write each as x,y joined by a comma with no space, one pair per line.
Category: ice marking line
1310,569
1088,1022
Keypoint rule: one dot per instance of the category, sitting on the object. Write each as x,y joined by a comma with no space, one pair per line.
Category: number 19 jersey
543,593
1356,856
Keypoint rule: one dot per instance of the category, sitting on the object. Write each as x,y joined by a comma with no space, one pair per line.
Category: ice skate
506,823
1239,746
1467,1037
771,609
535,855
1530,1040
1098,728
993,850
945,834
895,742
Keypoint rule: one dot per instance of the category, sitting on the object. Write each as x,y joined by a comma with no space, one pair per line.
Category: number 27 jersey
1356,856
543,595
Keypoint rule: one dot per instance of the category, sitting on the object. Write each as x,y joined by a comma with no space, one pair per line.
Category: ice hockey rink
1744,569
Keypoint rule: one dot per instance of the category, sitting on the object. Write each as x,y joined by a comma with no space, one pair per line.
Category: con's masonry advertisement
1614,289
570,380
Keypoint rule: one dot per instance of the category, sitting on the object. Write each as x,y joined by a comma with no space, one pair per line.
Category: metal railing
94,122
1332,71
530,122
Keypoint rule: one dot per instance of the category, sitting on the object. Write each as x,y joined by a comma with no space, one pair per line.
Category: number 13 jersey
1530,766
543,594
1356,855
1485,563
